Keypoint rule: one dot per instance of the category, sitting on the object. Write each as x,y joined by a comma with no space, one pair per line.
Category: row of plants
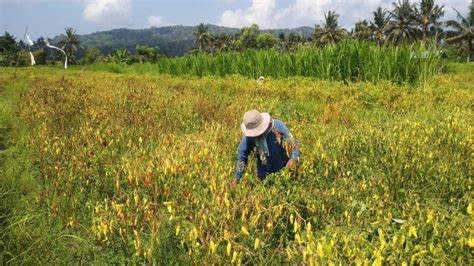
347,60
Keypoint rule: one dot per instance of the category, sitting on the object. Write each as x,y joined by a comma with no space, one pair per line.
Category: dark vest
275,161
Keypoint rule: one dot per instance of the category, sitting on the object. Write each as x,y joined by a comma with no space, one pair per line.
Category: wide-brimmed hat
255,123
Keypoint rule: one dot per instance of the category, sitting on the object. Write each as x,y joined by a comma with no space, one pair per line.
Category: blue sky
49,17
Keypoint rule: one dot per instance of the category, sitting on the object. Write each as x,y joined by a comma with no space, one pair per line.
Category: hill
172,40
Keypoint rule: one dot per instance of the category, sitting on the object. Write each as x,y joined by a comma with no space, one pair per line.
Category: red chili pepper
147,181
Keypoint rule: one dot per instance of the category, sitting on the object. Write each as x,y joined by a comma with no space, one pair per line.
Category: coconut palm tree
223,42
70,43
379,25
362,30
402,23
462,31
330,32
428,16
203,38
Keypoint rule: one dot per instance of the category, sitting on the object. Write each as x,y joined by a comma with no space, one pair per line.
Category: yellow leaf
226,201
382,238
469,208
470,242
256,245
429,216
213,246
178,228
319,249
412,232
308,227
296,226
298,238
234,257
229,248
245,231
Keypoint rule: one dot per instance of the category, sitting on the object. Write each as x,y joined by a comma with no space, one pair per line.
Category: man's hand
291,164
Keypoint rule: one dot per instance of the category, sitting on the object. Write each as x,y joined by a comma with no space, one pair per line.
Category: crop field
107,168
346,61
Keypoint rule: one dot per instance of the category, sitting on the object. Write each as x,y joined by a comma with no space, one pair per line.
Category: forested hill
172,40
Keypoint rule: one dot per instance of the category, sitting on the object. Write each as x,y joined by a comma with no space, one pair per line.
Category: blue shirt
281,147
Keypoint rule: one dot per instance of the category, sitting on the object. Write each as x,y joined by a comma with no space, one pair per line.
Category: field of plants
100,167
346,61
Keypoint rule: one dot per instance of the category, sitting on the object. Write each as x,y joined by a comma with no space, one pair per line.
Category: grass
347,61
81,146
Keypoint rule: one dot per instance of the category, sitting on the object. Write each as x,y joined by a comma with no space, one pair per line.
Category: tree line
406,22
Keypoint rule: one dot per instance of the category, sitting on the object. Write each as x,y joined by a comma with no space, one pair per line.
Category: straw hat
255,123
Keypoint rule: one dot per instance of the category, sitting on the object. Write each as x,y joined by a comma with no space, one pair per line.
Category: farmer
274,144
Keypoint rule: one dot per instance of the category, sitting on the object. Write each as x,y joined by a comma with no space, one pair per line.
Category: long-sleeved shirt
282,146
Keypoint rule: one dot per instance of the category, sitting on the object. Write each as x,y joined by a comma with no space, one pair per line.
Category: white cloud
157,21
266,14
298,13
114,12
260,12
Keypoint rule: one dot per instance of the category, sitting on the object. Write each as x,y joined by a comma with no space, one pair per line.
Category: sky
48,18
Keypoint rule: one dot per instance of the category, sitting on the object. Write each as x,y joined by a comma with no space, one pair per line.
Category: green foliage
248,37
330,32
121,56
203,38
348,60
462,32
362,31
23,58
70,44
402,24
92,55
40,56
147,54
266,41
8,49
428,18
379,25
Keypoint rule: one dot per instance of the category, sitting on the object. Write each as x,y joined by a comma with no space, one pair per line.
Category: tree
223,42
362,30
402,23
70,43
8,49
203,37
427,17
379,25
281,36
330,32
293,40
22,58
121,56
146,53
462,31
266,41
40,56
248,37
91,55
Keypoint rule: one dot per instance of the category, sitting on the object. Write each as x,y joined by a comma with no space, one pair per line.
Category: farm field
99,167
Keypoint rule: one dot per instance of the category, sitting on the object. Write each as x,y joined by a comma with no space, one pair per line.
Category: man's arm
243,152
289,139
